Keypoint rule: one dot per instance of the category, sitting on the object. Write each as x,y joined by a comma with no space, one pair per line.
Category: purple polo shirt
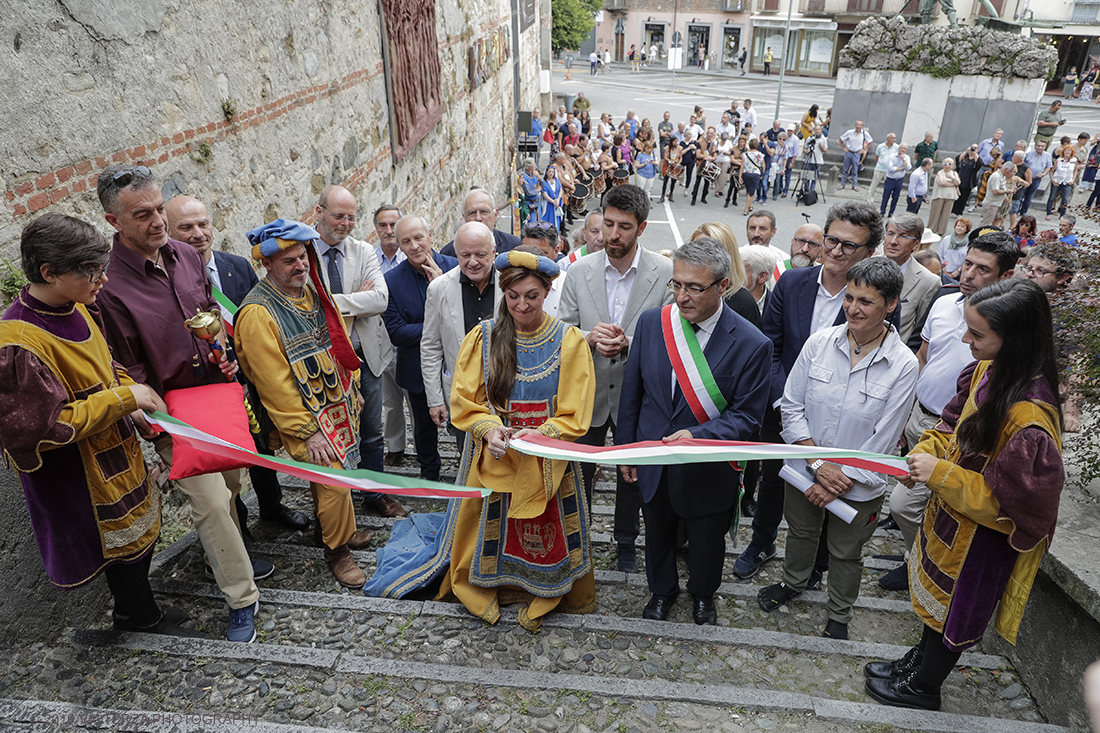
144,307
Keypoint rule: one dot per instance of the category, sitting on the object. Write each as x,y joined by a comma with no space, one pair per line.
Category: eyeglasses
806,242
690,289
899,235
123,178
93,272
351,218
1038,272
848,248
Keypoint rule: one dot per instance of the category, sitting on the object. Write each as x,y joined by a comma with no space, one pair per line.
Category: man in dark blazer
189,221
804,301
702,496
479,206
404,319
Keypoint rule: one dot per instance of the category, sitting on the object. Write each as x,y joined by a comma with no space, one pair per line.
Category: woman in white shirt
725,147
851,387
1061,178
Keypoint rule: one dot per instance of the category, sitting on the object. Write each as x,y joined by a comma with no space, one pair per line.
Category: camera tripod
802,183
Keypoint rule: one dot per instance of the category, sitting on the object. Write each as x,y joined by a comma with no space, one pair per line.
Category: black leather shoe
287,517
628,559
888,523
748,507
889,670
703,611
171,615
903,692
657,609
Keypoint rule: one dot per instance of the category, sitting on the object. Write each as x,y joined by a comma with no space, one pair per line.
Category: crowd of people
871,332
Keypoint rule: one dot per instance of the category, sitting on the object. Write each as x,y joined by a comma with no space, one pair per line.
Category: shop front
698,43
731,45
654,35
810,48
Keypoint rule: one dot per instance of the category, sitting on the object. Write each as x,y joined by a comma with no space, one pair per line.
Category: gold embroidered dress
528,541
65,430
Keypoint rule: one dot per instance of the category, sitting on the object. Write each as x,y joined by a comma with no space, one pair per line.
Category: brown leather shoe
347,573
359,541
386,506
393,459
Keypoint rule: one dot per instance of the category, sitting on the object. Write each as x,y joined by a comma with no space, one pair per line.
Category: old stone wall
252,107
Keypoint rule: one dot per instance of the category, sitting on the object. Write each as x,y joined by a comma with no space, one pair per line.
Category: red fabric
540,541
217,409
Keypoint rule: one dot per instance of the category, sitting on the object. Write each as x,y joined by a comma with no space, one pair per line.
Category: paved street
654,91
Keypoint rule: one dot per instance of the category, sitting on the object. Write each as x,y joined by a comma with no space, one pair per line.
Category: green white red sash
577,254
359,479
781,267
227,307
690,366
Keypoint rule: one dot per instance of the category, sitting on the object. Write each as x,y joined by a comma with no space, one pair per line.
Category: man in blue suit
737,358
404,318
480,206
189,221
804,302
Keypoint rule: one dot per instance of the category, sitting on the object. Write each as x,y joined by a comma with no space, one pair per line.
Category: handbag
547,136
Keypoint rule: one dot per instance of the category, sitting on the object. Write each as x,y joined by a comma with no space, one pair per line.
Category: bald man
457,301
350,269
189,221
480,206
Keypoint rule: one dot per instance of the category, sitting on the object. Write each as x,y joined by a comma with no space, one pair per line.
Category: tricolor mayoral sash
692,372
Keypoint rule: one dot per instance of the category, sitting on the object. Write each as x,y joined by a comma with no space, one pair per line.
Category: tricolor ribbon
359,479
781,267
228,308
692,370
695,450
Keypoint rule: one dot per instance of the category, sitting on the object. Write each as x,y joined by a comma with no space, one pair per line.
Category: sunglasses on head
123,178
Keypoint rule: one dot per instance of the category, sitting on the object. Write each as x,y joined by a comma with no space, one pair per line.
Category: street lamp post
783,58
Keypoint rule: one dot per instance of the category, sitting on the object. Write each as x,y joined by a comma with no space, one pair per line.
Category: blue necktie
335,277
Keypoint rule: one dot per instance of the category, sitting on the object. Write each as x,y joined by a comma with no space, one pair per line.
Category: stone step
748,697
596,623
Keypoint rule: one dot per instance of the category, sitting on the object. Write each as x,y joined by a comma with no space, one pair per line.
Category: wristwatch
816,465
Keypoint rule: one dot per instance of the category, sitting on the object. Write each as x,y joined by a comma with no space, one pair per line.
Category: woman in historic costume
532,191
550,207
994,466
68,429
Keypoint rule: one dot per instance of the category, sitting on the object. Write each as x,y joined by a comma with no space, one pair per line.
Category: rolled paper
838,507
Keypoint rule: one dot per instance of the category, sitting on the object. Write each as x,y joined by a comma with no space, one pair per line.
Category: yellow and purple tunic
990,517
527,542
66,431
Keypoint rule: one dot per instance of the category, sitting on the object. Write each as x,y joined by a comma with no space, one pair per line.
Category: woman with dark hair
1025,232
586,122
70,414
994,465
969,166
808,121
752,168
509,382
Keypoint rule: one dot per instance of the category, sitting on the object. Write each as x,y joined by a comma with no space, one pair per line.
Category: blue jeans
1029,194
809,175
1057,190
851,169
891,189
762,189
371,447
787,178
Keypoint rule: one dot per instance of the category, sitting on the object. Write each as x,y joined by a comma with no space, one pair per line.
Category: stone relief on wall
412,71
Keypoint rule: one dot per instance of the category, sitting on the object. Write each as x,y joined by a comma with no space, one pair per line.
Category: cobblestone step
237,658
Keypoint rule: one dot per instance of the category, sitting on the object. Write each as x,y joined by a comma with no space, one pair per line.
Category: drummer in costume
607,165
528,541
532,190
737,162
716,388
293,347
672,167
707,168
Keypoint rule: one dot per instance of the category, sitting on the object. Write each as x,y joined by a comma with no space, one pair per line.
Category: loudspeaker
524,120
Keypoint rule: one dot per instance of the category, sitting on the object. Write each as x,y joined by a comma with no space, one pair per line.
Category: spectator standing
996,188
854,143
1039,163
969,168
895,179
1061,179
944,193
926,148
768,58
883,153
1049,121
953,246
918,186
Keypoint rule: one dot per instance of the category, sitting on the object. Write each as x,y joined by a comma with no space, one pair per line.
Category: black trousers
425,436
769,499
706,537
665,184
938,659
706,187
628,500
129,585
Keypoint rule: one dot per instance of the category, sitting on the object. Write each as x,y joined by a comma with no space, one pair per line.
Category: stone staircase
329,658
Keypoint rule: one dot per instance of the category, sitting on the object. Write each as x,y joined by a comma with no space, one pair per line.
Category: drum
621,177
578,200
599,183
675,170
710,171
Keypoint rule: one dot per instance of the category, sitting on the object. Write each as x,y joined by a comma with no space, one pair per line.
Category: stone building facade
254,107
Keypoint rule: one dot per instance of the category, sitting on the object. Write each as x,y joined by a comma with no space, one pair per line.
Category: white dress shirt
837,405
212,271
618,286
825,305
947,354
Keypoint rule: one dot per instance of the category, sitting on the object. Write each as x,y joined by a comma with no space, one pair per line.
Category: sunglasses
123,178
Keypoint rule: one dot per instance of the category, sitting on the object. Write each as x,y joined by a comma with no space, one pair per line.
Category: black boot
889,670
904,692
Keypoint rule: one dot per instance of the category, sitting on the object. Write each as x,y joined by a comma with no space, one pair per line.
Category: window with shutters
864,6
